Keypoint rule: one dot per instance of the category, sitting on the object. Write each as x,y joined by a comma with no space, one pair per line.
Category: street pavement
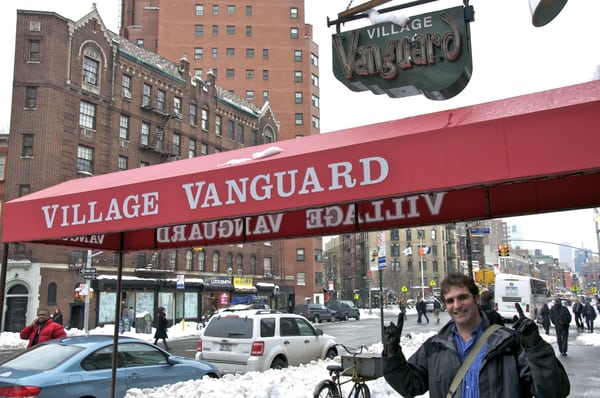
581,364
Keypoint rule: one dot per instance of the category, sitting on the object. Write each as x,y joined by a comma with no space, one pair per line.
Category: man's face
461,305
42,316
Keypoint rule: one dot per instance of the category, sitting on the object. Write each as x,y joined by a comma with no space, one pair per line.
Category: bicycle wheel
361,391
326,389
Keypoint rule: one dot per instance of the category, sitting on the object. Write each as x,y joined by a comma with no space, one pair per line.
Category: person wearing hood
43,328
561,319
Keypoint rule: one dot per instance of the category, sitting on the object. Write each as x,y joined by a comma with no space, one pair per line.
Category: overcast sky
510,57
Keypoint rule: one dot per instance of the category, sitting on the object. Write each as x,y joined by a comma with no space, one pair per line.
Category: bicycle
332,388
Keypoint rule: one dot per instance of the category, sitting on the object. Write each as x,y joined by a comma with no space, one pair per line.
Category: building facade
86,102
261,50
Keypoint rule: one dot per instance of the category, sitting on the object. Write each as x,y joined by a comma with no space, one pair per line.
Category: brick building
86,102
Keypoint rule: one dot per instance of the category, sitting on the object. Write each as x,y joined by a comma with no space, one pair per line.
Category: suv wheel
346,316
332,319
278,363
316,319
331,353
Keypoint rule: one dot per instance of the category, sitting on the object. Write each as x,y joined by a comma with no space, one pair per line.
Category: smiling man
509,362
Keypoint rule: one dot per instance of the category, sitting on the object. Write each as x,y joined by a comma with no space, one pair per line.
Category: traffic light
503,250
506,251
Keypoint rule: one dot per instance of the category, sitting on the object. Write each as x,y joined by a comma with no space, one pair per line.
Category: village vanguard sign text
431,55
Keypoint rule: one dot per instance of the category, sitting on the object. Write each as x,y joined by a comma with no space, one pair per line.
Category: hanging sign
431,55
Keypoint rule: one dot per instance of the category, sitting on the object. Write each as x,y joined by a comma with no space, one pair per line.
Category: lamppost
421,232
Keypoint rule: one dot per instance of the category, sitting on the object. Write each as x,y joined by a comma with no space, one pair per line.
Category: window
85,159
267,268
265,95
215,53
87,115
231,29
230,52
230,129
34,51
52,287
298,97
140,43
301,279
201,260
239,264
215,9
198,72
215,30
216,258
294,13
147,95
298,76
249,31
176,144
252,264
299,119
193,114
24,189
250,95
300,255
191,148
249,73
408,234
198,54
90,71
30,97
265,52
240,133
315,100
293,33
199,10
144,164
249,53
145,134
248,11
189,259
159,141
297,55
395,234
177,106
160,100
314,60
204,119
314,79
265,74
204,149
218,121
198,30
230,73
319,255
124,127
433,234
122,163
27,147
2,166
316,123
230,9
126,87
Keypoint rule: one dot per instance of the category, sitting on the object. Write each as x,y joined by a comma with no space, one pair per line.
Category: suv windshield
230,326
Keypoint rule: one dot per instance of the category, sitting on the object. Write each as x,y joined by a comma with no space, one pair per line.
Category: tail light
527,308
199,345
496,306
20,391
258,348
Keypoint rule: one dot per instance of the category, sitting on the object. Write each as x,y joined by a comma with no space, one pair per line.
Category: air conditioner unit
126,94
123,143
178,114
268,276
87,132
89,79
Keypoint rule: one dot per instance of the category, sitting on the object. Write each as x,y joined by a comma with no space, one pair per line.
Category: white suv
256,340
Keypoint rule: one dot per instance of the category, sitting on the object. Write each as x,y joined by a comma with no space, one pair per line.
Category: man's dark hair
460,280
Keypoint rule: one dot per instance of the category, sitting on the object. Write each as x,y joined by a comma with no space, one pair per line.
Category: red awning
528,154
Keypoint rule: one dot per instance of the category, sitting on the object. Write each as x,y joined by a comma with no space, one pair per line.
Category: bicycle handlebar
354,350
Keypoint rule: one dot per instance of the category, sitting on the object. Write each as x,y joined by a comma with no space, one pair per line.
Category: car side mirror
318,332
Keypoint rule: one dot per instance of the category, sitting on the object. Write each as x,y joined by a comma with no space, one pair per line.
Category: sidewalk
582,368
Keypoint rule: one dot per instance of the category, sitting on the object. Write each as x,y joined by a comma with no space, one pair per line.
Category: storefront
217,294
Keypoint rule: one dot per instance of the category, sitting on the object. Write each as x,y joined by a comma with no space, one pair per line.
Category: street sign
89,270
480,230
432,282
404,289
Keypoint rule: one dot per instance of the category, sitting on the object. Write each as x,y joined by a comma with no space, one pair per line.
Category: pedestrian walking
578,312
43,328
402,306
487,306
561,319
590,315
471,355
545,312
161,327
421,310
58,316
437,307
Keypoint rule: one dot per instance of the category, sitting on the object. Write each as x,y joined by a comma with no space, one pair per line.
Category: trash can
143,322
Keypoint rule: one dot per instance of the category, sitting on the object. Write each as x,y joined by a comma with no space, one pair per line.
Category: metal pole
421,232
381,302
3,275
469,251
86,307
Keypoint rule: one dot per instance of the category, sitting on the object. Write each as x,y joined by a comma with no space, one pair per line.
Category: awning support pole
3,274
117,313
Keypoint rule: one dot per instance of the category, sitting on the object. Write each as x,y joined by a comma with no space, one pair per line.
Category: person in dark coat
58,316
578,312
545,312
487,306
161,327
421,310
513,362
590,314
43,328
561,319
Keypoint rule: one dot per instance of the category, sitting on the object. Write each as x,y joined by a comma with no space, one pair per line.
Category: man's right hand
391,337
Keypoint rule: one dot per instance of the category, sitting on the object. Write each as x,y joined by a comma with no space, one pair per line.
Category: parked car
256,340
79,366
344,309
315,312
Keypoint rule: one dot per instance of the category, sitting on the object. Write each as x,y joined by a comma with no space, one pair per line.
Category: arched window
253,264
52,293
216,258
229,261
201,260
239,264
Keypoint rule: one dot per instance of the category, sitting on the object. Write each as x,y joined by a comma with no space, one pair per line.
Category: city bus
531,293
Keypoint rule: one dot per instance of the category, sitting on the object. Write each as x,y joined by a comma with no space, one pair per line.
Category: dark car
81,366
344,309
315,312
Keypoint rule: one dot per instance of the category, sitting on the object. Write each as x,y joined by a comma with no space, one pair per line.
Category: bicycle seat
335,368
